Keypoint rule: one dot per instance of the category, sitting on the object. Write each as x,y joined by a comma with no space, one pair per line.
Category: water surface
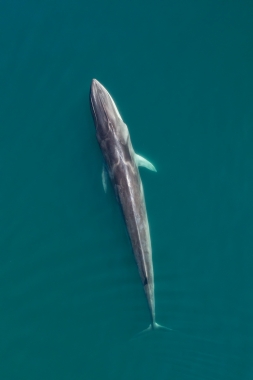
71,298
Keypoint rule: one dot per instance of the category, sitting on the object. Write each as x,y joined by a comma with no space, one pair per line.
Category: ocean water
71,299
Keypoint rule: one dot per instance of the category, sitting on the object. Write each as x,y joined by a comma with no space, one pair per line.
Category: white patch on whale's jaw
122,131
115,107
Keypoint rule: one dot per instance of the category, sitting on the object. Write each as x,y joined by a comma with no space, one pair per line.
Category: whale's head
105,113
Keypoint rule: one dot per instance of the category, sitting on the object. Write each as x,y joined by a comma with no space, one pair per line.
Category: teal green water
70,295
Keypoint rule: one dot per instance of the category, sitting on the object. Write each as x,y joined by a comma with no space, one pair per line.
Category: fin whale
121,163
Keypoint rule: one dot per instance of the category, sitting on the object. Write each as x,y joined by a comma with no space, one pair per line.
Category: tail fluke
152,327
156,326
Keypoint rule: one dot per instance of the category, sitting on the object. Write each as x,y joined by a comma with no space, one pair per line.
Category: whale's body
121,162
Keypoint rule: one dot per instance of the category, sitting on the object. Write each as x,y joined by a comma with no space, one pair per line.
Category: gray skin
122,165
